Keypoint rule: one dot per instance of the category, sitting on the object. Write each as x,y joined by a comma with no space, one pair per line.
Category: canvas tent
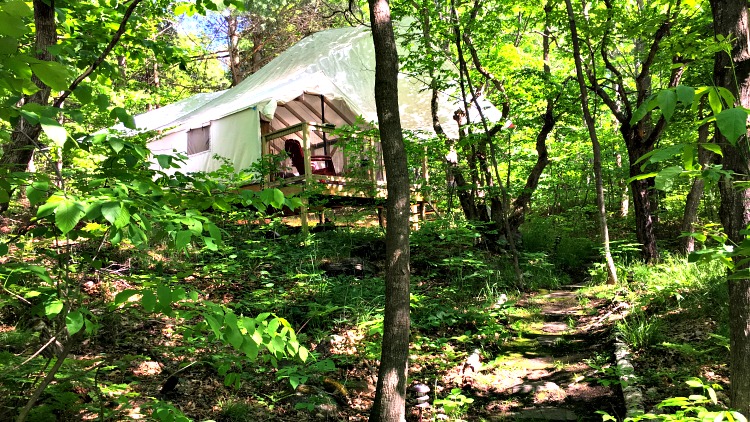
327,77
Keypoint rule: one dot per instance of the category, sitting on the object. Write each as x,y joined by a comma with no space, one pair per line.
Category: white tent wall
237,138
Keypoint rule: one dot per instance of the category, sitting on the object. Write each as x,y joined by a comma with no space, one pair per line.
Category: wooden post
265,147
308,175
306,132
303,217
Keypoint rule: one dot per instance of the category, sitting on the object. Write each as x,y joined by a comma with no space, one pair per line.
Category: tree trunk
233,38
692,202
390,395
522,202
590,124
733,72
18,152
644,218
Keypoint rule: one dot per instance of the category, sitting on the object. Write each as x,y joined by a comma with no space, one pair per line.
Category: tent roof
331,72
157,118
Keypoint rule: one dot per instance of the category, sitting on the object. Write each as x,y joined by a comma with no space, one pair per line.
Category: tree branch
99,60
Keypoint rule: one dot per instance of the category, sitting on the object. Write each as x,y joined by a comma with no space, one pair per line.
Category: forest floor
553,368
486,351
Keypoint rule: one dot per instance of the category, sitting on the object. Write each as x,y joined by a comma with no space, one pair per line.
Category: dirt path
555,366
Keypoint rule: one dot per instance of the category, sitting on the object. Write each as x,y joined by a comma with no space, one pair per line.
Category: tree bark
18,152
390,395
233,40
590,124
692,202
733,73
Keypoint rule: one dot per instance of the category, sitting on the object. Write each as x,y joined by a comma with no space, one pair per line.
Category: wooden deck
368,189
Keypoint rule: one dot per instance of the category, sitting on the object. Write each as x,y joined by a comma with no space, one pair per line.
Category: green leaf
123,116
257,337
665,179
278,343
688,157
3,249
84,94
67,214
694,383
53,74
234,337
273,325
102,101
727,95
251,349
182,239
643,110
641,177
54,130
732,123
214,324
273,197
36,192
164,293
667,100
124,296
117,144
666,153
12,26
714,101
685,94
716,149
185,8
148,300
4,196
195,226
165,161
210,244
53,307
8,45
74,322
302,352
213,231
116,214
17,8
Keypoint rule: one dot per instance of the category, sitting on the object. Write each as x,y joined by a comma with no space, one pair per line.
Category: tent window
198,140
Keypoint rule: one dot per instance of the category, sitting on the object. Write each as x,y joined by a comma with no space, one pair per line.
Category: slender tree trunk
18,153
690,216
549,119
390,395
233,38
624,197
590,124
733,72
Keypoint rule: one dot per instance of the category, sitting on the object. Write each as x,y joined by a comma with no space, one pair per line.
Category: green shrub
639,330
